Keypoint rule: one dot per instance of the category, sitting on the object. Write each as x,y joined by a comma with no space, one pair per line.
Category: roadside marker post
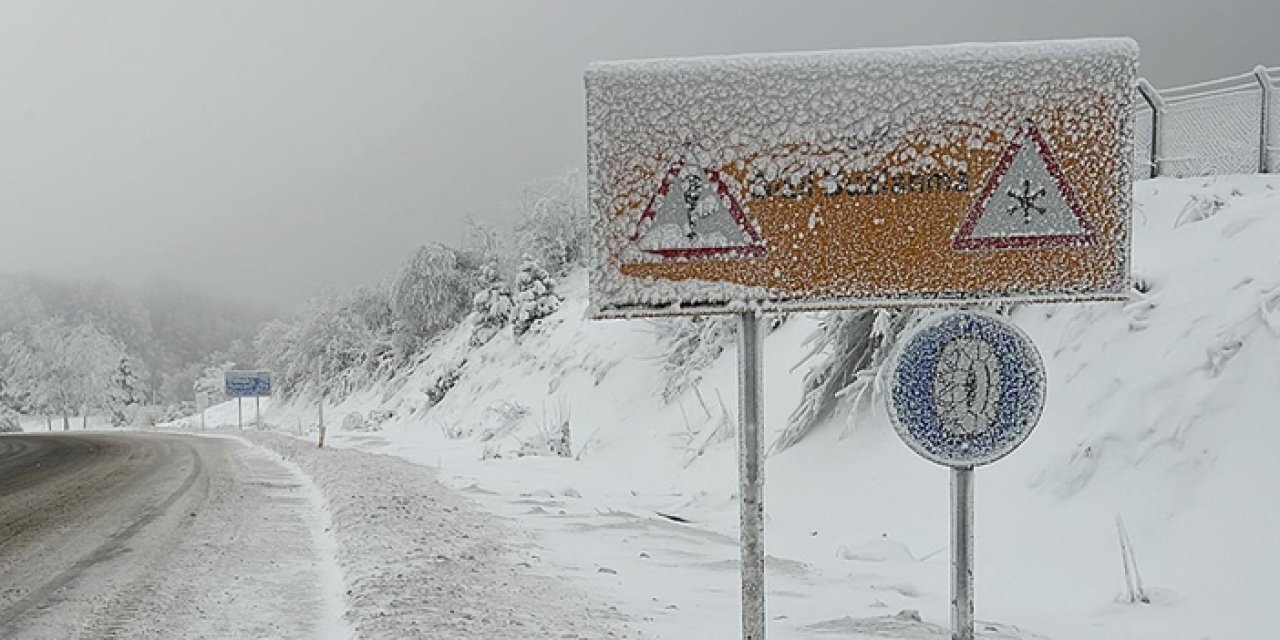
202,404
320,406
923,177
320,411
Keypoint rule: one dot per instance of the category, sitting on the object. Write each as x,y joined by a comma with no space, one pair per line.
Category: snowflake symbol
1026,201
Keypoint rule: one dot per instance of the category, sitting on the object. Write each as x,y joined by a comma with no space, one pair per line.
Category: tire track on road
113,546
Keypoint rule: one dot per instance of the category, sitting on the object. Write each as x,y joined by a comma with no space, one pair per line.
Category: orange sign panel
922,176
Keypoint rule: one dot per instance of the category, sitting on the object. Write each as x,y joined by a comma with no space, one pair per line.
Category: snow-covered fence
1229,125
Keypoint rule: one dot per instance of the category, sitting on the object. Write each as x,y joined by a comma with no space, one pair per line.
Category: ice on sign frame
892,177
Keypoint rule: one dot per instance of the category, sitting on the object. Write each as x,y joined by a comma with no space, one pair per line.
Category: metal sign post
962,553
751,475
240,413
965,390
257,411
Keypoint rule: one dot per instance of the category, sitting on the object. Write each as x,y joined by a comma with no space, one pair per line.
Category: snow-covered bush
501,418
444,382
451,431
535,295
378,417
854,346
549,440
354,422
690,345
147,416
177,411
493,306
10,421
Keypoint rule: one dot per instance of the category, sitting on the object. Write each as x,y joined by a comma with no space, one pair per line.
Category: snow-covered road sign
965,388
248,384
891,177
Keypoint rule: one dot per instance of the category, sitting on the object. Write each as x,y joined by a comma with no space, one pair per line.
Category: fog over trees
70,350
504,277
74,349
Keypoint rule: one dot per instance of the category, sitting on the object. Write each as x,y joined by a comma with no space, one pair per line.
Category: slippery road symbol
695,215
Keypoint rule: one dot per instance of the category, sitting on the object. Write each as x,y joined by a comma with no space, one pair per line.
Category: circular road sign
965,389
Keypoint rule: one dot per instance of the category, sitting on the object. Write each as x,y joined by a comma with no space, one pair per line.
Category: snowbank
420,561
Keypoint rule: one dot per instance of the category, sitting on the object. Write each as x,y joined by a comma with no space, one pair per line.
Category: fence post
1152,97
1264,82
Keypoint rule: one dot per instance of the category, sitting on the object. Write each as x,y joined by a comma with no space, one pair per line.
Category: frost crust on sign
796,125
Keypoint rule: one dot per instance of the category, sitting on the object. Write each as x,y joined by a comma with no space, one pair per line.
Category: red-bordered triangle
967,235
753,247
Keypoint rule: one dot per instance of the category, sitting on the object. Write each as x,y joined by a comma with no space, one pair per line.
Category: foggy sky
272,151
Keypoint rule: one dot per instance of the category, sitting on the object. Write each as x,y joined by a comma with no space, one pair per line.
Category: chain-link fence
1230,125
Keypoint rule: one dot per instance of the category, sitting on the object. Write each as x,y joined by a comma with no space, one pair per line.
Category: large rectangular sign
248,384
892,177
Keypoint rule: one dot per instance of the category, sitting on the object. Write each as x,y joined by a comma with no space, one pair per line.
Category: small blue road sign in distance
248,384
965,388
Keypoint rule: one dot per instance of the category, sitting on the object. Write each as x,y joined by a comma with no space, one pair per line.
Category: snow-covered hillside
1160,411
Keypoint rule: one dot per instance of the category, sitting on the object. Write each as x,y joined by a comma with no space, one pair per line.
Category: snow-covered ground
420,561
1159,411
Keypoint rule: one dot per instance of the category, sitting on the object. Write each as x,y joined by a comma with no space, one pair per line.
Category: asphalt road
132,535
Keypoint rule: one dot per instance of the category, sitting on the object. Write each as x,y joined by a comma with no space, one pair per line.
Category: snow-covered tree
168,332
492,305
535,295
486,244
554,225
852,348
690,346
351,337
433,292
59,369
126,393
92,357
212,382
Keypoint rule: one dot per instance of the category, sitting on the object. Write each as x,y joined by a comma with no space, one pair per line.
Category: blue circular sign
965,389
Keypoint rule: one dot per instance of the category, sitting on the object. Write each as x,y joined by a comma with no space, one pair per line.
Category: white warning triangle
1026,202
694,215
